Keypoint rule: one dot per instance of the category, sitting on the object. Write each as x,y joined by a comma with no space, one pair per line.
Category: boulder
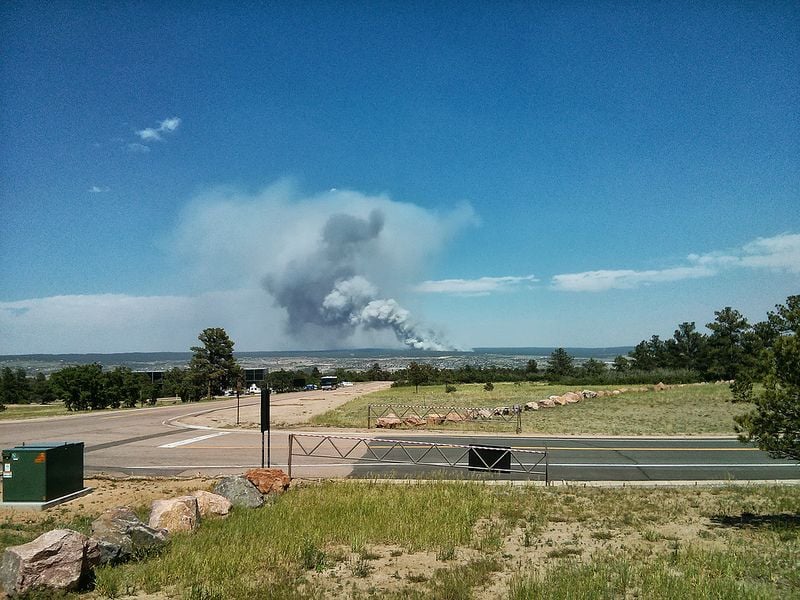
660,387
553,397
453,417
239,491
269,481
175,514
547,403
121,535
615,392
572,397
560,400
211,505
434,419
60,559
531,406
389,422
589,394
414,421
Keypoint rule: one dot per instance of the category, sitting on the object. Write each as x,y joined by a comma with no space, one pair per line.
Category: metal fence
489,459
421,416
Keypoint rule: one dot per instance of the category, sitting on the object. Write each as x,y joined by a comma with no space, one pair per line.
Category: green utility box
42,471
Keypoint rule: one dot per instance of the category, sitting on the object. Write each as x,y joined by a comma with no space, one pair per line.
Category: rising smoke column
324,291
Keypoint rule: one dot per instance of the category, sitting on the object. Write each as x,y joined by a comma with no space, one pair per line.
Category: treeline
81,387
734,348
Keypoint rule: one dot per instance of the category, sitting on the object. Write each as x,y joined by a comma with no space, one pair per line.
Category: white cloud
120,322
153,134
99,189
149,134
138,148
170,124
779,253
597,281
482,286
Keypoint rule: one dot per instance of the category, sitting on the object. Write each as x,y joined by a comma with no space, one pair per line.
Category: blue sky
577,174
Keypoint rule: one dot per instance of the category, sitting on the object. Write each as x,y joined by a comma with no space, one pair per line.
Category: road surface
152,441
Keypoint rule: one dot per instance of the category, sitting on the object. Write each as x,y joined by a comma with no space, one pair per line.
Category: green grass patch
291,549
691,409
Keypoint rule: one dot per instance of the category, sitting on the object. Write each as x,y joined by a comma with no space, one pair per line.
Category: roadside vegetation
689,409
462,540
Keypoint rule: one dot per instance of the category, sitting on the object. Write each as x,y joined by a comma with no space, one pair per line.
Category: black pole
265,423
237,407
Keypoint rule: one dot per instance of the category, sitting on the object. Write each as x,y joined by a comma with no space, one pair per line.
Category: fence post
518,410
369,414
291,443
546,466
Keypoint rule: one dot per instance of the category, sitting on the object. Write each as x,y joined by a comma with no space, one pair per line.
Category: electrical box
42,471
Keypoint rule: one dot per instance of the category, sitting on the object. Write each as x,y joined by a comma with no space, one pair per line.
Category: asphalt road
151,441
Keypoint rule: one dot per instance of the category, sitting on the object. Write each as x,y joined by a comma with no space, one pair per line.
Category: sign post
265,425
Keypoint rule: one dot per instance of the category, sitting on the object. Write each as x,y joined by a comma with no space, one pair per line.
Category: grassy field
57,409
462,541
691,409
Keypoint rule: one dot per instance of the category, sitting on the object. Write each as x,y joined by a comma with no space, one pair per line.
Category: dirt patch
286,410
109,492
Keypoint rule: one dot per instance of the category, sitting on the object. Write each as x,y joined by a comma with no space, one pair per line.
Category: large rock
560,400
531,406
60,559
388,422
453,417
547,403
211,504
269,481
434,419
660,387
239,491
414,421
175,514
121,535
589,394
572,397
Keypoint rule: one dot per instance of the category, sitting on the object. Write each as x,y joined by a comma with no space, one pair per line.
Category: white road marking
193,440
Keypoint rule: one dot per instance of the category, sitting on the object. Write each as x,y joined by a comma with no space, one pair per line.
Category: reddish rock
414,421
389,422
269,481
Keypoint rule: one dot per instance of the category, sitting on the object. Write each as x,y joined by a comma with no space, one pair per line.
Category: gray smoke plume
324,292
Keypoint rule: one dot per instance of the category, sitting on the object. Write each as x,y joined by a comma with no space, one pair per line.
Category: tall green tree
213,364
80,386
726,344
14,386
123,387
775,423
686,349
41,390
593,369
621,364
418,374
560,364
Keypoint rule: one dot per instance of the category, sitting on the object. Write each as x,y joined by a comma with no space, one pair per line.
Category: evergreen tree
213,365
560,364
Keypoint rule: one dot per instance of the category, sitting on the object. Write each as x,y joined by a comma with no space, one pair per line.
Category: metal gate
475,457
